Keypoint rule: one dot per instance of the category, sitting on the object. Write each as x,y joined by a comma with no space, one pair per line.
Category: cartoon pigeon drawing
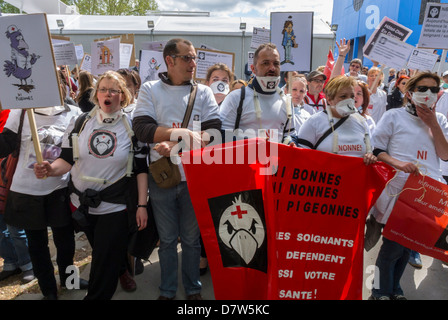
21,62
241,229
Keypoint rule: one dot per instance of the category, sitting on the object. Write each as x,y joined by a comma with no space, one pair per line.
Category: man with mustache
264,108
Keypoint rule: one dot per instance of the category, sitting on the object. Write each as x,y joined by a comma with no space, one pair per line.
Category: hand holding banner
297,233
419,220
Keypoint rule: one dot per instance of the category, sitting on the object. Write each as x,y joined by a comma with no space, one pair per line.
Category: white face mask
346,107
220,87
268,84
424,98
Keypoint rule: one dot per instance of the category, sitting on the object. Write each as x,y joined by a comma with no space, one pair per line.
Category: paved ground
429,283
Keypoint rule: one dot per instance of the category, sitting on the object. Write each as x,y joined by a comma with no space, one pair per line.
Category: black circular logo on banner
102,144
357,4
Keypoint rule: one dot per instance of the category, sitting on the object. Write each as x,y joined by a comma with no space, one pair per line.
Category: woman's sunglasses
425,88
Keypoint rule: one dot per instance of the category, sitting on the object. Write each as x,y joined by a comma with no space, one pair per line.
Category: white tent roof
199,25
47,6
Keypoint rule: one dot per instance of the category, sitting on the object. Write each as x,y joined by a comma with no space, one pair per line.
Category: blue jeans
391,263
14,247
175,217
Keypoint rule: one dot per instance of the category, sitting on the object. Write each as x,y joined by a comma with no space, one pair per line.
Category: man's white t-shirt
167,104
273,114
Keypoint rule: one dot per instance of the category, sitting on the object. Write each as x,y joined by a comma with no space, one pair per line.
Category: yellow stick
34,135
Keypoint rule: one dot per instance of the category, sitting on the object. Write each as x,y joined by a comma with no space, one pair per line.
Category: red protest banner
322,201
295,234
419,219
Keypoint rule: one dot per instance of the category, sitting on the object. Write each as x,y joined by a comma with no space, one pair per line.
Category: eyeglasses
318,81
425,88
186,58
111,91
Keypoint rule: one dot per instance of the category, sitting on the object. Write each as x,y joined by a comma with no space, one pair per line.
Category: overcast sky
250,8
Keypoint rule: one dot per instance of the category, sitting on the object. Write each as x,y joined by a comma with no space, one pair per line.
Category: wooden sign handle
34,135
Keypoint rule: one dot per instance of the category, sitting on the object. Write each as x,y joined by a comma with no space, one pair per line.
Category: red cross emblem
238,212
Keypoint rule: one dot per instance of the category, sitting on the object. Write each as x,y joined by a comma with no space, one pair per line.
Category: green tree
8,8
113,7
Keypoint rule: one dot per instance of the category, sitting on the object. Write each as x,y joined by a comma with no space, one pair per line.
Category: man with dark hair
264,108
158,118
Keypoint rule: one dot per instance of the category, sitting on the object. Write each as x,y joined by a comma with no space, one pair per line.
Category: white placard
151,64
422,60
154,45
86,63
391,52
389,28
79,51
28,77
125,54
105,56
293,34
207,58
65,54
434,34
260,36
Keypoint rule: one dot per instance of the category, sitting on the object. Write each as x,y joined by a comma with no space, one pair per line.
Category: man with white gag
265,109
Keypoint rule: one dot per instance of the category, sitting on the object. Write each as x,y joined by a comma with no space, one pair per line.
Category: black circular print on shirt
102,144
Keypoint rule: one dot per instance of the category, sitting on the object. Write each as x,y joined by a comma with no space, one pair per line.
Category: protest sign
65,54
422,60
86,63
260,36
296,233
292,33
151,64
207,58
125,55
434,34
390,51
154,45
79,51
389,28
28,78
105,56
419,220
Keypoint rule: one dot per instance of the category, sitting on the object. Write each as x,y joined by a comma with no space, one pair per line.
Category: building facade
356,20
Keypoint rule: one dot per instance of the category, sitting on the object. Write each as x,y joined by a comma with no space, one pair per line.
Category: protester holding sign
413,140
340,129
35,205
378,97
99,152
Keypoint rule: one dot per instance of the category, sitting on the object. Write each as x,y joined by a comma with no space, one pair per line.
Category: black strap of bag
191,100
240,108
329,131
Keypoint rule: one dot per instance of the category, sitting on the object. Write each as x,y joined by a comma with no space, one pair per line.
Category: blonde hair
113,75
337,84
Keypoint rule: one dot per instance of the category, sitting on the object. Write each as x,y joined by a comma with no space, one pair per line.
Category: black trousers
108,236
64,241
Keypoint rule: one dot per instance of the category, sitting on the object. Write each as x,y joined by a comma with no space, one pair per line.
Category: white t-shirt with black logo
167,104
103,153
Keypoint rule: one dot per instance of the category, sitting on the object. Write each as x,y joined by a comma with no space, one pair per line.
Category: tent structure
47,6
